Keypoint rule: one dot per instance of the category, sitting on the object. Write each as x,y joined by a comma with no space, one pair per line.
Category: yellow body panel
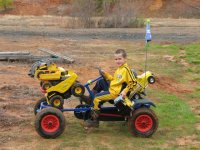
50,76
63,86
142,82
52,72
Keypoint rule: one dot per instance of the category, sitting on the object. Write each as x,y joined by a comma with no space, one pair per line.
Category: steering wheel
102,74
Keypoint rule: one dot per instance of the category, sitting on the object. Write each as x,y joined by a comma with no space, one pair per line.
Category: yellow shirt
122,75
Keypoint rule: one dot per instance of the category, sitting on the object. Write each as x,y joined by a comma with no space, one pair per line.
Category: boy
122,82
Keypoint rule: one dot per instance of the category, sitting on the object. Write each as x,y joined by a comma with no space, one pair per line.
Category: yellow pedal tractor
142,82
57,83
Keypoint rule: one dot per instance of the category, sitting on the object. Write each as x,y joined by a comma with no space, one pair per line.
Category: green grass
192,54
197,79
5,3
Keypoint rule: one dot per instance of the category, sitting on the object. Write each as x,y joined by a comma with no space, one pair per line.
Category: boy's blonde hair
121,51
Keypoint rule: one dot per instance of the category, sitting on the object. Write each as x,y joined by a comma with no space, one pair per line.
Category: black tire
136,96
46,85
143,122
38,103
57,101
40,73
50,123
41,82
151,80
78,90
79,115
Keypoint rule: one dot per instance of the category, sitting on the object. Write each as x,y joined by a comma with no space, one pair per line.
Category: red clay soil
151,8
170,85
37,8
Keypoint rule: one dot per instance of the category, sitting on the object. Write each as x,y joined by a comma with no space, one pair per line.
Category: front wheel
143,122
50,123
57,101
151,80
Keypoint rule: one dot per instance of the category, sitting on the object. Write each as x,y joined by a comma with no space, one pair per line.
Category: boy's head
120,57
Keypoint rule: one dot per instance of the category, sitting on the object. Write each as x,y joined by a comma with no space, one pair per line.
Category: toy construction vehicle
56,82
47,73
142,82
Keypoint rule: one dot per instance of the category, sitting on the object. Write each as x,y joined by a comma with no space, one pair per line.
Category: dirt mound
170,85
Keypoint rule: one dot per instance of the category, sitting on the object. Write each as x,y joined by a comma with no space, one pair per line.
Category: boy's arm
108,76
129,79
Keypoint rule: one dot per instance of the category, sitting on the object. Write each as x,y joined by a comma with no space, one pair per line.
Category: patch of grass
193,56
169,49
173,111
195,94
192,51
198,137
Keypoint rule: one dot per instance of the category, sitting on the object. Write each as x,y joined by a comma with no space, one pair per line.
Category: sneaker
95,114
91,123
86,99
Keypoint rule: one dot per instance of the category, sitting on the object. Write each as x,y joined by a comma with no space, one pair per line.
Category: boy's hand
102,72
123,94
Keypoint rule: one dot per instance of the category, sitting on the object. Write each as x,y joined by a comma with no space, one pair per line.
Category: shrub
5,4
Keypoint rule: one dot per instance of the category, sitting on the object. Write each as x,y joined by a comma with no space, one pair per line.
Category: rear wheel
143,122
50,123
78,90
38,104
136,96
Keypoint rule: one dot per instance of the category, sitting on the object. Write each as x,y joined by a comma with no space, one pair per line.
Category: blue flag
148,31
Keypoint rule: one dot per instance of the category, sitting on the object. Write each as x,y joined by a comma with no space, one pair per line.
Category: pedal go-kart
56,83
142,121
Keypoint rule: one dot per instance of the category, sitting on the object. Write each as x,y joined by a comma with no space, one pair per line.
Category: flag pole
148,38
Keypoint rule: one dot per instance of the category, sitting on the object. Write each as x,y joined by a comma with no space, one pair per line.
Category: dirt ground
89,47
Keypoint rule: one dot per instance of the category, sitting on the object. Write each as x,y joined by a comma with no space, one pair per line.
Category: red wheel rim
50,123
143,123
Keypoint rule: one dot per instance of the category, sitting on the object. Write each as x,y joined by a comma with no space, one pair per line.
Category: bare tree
85,10
124,13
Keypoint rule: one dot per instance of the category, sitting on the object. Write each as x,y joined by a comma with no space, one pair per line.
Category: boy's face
119,59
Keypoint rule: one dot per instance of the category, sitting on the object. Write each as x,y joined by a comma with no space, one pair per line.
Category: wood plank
14,53
65,58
